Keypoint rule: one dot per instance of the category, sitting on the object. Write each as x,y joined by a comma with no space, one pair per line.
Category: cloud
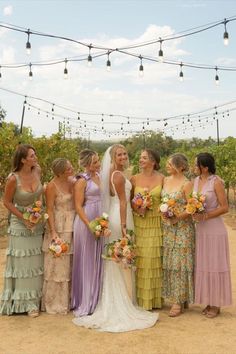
7,10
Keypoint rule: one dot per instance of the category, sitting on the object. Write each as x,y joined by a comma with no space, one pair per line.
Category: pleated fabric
148,233
212,271
24,266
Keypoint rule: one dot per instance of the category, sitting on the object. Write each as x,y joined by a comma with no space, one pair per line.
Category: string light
141,69
226,35
108,62
160,54
181,74
90,56
30,72
65,70
217,80
28,45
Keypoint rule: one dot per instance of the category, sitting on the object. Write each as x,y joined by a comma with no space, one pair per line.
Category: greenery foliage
49,148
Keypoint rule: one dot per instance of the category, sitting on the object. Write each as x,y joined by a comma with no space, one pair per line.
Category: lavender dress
212,272
87,261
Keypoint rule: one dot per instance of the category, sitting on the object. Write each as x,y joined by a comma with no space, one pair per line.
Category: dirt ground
190,333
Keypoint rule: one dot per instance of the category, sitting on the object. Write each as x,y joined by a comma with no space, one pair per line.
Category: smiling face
170,169
121,158
145,162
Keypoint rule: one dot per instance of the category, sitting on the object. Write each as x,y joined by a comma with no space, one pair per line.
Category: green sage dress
149,253
24,266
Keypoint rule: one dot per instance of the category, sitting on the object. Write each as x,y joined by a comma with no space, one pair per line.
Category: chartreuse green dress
24,266
149,253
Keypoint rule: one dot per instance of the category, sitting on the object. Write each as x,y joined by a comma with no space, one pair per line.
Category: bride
115,311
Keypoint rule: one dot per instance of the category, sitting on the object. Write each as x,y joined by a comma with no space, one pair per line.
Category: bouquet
58,247
142,202
196,203
99,226
168,207
122,250
35,213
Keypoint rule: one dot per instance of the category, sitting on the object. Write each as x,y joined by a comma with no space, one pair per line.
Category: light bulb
141,70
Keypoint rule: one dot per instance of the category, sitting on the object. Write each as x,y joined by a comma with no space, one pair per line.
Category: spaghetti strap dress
212,269
57,271
23,275
148,233
178,255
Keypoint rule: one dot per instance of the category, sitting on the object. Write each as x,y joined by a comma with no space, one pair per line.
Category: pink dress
212,266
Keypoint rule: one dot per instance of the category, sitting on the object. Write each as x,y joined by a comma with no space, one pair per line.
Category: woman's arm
188,187
222,200
79,191
133,182
10,189
50,201
119,183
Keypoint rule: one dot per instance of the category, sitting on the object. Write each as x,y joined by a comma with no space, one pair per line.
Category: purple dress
212,271
87,261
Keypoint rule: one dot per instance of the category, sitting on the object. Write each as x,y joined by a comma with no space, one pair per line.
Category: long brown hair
20,153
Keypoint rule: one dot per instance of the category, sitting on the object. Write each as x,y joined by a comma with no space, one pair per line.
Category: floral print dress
178,254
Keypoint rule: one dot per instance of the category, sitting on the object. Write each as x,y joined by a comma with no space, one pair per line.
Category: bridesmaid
212,272
178,238
60,208
148,233
87,261
24,267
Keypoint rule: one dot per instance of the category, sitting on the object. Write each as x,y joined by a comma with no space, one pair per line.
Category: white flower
165,200
58,249
98,228
46,216
164,208
105,216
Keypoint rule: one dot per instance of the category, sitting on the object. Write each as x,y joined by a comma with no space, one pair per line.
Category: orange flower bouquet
35,213
58,247
122,250
196,203
99,226
142,202
168,207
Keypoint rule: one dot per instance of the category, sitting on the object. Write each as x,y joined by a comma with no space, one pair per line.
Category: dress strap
18,183
57,188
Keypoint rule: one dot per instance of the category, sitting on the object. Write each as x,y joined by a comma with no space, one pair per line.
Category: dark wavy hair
205,159
20,153
155,157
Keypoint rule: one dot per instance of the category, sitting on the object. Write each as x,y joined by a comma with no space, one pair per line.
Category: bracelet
123,225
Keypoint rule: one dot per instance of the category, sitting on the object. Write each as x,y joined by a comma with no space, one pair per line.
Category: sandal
213,312
33,313
175,310
206,309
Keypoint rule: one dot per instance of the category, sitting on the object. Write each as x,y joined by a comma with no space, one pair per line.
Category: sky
104,99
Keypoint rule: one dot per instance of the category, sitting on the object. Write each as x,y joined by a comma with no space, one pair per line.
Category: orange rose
104,223
64,248
171,202
139,202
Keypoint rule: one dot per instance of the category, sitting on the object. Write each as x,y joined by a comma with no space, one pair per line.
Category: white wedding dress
115,311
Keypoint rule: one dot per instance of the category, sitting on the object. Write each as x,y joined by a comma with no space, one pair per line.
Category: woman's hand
54,235
199,217
29,225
